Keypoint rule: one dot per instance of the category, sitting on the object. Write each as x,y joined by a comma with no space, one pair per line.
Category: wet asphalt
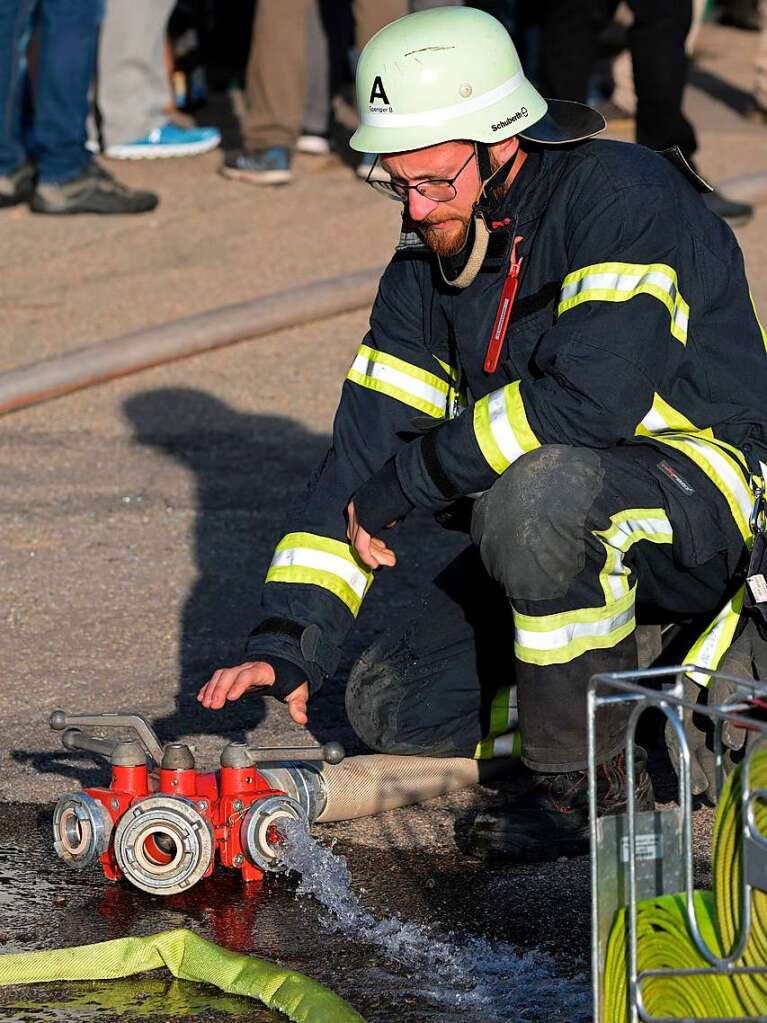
46,904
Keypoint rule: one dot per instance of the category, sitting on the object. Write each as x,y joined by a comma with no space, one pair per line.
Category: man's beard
445,243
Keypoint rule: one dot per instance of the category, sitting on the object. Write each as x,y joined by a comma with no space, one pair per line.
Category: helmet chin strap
460,270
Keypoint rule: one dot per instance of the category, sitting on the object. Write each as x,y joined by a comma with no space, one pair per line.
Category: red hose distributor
162,823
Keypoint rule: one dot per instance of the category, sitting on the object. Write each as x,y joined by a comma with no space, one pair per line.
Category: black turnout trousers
571,547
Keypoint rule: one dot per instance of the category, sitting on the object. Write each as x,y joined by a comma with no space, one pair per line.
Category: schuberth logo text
522,112
379,93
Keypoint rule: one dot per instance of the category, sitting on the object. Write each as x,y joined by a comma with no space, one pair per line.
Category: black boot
17,186
94,191
551,819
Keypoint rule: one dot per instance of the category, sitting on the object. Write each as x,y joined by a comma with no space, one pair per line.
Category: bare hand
230,684
371,551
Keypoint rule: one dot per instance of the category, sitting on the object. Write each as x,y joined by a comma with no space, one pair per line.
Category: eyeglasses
435,189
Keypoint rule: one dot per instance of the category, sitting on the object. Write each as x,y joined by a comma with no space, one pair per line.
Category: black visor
565,121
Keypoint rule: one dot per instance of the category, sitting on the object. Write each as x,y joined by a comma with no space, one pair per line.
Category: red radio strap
501,325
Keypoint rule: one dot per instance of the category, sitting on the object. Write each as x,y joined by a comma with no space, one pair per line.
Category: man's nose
419,207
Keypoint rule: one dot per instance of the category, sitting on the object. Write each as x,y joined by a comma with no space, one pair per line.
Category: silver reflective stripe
322,561
396,378
624,282
564,635
624,534
501,428
617,282
384,119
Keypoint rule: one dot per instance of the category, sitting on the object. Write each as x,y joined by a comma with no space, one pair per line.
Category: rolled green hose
189,957
664,940
727,862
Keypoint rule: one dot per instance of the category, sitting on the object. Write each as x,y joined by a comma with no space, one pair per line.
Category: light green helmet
453,73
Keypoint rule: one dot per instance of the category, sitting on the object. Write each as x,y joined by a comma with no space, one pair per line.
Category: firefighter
564,348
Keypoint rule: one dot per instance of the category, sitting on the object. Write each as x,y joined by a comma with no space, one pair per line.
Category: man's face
443,224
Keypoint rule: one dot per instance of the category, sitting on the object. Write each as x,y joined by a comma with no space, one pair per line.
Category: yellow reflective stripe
501,427
379,371
759,322
450,371
507,745
626,528
564,619
722,463
664,418
724,472
499,741
559,638
500,712
711,647
619,282
321,561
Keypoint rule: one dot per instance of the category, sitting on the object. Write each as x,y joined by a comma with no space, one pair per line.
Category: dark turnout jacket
633,323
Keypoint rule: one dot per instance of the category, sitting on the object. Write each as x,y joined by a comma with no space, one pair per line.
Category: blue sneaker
168,140
258,166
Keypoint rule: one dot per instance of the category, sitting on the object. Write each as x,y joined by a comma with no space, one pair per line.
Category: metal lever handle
73,738
331,753
59,720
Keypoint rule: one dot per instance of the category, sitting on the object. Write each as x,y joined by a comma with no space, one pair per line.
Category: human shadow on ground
247,469
731,95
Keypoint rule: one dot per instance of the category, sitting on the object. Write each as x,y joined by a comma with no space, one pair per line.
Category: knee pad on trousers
530,526
373,693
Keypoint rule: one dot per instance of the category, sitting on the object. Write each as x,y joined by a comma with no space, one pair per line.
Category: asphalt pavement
137,518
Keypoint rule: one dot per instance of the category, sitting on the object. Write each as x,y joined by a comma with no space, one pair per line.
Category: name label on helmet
378,92
522,112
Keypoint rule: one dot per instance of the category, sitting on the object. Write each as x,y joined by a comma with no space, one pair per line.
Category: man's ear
504,150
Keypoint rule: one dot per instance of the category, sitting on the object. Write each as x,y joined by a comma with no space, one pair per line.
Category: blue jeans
54,134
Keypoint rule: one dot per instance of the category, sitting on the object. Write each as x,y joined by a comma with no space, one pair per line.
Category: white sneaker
364,169
315,145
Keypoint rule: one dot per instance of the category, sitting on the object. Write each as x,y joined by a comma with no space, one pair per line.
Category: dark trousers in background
66,36
570,44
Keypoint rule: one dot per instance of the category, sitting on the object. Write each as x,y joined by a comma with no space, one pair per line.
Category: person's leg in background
758,111
315,121
659,58
624,94
68,179
569,46
67,35
657,40
274,92
16,169
372,15
133,88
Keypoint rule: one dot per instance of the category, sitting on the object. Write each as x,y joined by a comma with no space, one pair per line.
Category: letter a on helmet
454,73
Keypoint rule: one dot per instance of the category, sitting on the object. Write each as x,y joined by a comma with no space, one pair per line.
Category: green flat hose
727,871
664,940
189,957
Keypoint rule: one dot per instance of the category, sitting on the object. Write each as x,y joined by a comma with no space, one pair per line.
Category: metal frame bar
626,687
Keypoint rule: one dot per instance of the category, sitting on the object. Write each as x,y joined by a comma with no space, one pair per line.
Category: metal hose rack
643,855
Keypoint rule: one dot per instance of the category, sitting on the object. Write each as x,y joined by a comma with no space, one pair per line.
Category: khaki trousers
276,69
